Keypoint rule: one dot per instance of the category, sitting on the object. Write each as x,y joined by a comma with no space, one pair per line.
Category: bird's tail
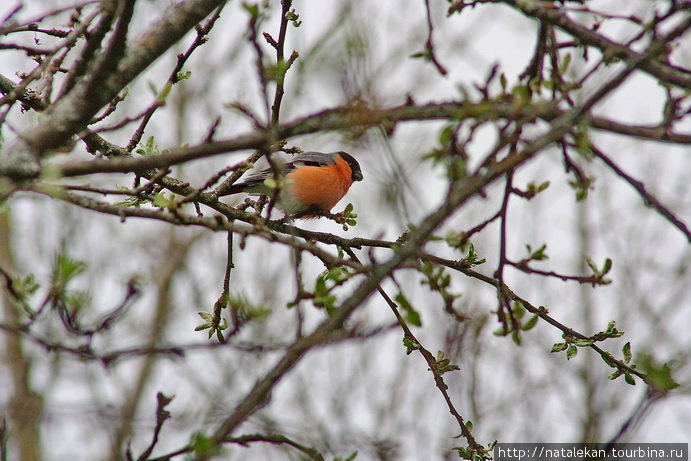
251,186
233,189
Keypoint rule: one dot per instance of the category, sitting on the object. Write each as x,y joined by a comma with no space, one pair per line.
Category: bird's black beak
357,175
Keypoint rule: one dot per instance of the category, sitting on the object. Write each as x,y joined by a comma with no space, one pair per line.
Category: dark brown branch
280,61
649,398
334,119
539,311
71,113
9,24
582,279
216,224
276,439
648,198
431,54
173,78
162,415
658,69
503,305
431,362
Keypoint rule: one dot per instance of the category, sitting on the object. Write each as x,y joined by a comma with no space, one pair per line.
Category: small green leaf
535,82
244,311
320,287
148,148
530,324
64,270
627,352
501,331
472,258
518,309
532,189
659,376
161,201
410,314
132,202
629,379
420,55
443,364
592,265
464,452
252,9
76,300
184,75
293,17
581,188
558,347
202,445
447,368
537,255
582,138
446,135
413,318
612,332
571,352
615,375
521,95
339,274
24,286
163,95
456,239
410,344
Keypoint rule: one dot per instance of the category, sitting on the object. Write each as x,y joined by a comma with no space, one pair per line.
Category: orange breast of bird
320,186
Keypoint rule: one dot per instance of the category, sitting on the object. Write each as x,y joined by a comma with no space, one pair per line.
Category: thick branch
70,114
333,119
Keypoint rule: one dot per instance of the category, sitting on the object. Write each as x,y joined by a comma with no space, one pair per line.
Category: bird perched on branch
313,182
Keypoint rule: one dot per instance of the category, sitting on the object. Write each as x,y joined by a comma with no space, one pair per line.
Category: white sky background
524,394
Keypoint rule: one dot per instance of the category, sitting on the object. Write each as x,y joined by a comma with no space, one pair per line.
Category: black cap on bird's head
353,164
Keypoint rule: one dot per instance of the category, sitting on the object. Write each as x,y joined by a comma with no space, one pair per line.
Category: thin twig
648,198
429,44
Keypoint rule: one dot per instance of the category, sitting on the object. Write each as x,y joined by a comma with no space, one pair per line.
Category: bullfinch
314,182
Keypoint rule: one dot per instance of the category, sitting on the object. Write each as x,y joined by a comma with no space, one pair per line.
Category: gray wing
306,158
311,159
254,182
